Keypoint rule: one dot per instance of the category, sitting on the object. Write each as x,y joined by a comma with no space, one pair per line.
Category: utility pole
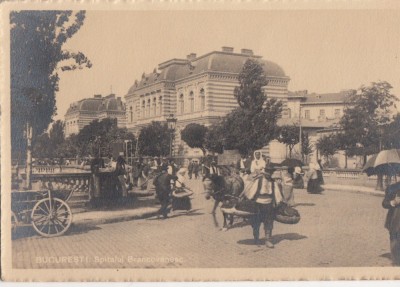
300,134
28,184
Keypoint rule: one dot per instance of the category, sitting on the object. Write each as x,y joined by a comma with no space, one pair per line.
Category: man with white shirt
265,208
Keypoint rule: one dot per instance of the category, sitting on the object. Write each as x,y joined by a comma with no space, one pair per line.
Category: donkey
225,189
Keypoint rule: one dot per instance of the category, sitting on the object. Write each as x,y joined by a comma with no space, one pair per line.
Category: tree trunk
345,160
28,183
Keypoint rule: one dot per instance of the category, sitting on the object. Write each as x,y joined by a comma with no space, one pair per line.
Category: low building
83,112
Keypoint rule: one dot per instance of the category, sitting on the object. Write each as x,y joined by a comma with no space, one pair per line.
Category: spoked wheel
14,222
53,219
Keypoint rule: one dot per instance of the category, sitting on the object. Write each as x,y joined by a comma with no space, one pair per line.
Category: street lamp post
171,123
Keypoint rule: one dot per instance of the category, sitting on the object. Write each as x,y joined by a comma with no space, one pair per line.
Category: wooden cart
46,210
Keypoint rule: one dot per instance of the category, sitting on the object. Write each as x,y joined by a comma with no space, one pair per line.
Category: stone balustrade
73,182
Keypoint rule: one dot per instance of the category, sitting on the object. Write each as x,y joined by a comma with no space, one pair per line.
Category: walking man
264,208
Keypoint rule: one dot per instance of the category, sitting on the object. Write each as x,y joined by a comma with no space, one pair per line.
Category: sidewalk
353,188
136,208
145,207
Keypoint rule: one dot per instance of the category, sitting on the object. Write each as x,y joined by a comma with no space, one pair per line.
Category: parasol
385,162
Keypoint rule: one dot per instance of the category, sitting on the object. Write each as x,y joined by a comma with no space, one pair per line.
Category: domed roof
110,103
98,103
216,61
90,104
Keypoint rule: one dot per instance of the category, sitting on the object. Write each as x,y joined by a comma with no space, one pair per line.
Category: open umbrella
292,162
369,168
385,162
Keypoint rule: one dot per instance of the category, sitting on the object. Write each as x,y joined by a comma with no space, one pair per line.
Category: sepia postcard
209,141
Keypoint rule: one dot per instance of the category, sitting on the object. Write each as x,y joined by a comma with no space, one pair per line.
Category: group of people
193,169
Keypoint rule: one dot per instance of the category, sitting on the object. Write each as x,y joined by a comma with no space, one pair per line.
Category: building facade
83,112
200,89
196,90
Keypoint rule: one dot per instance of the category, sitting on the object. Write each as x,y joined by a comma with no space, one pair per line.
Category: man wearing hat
264,199
120,171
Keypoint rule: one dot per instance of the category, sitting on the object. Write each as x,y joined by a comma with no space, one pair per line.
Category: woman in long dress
181,203
313,183
287,186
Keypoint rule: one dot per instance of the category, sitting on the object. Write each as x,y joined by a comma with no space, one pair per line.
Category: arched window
160,107
131,113
143,110
148,108
191,100
202,100
181,104
154,106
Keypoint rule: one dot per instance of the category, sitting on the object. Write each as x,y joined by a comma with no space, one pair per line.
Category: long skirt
313,186
288,195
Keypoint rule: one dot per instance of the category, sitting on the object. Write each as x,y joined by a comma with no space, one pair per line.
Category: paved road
337,229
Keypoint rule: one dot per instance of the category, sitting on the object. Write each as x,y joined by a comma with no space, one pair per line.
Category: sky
321,51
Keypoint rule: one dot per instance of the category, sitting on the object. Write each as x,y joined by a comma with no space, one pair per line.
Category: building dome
89,105
110,103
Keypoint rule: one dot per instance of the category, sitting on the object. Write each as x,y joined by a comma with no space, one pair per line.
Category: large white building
199,89
83,112
196,89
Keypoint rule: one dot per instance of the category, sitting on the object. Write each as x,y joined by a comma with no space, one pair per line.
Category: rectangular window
322,113
307,114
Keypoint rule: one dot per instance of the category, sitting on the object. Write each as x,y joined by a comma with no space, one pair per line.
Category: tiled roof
306,123
215,61
326,98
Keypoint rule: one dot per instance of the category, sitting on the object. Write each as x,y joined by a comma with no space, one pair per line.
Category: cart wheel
54,221
14,222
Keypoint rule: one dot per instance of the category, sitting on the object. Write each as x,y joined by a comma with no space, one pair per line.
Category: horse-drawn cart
46,211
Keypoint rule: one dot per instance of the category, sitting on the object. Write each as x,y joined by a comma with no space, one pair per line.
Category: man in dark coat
120,172
190,168
196,169
164,185
243,165
392,203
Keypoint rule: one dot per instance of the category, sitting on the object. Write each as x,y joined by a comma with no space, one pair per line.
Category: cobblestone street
337,229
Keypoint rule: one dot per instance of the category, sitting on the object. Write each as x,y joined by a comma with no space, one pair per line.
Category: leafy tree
37,38
194,136
327,146
99,136
154,140
213,139
289,135
42,147
390,137
47,144
56,133
367,112
70,148
249,94
306,146
253,124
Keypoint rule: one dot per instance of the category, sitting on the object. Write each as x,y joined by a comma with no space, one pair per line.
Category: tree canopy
37,56
366,114
194,136
327,146
154,140
254,123
289,135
